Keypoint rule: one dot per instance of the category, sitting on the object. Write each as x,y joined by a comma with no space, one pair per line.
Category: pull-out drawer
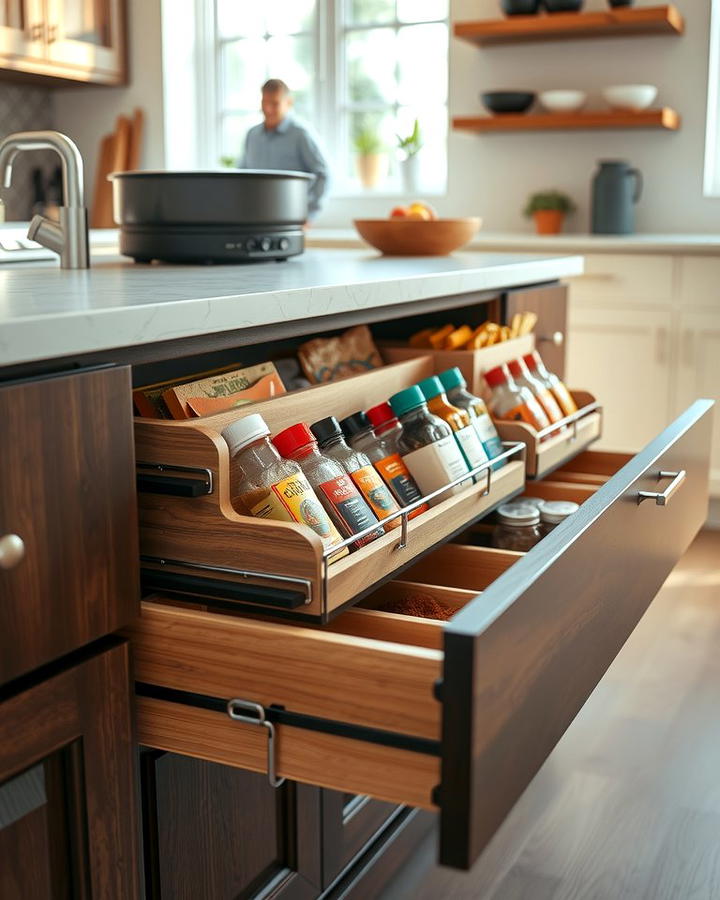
457,715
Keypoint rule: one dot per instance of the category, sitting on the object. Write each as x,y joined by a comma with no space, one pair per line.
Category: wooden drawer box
472,363
200,545
68,494
455,716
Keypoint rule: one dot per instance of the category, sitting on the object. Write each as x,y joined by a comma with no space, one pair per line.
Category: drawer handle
662,498
238,710
12,550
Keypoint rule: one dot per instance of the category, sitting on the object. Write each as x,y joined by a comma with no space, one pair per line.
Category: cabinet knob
12,550
557,338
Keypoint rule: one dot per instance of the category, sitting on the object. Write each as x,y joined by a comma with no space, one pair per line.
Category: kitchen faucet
69,237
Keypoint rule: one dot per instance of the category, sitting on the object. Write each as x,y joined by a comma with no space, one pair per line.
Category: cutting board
118,152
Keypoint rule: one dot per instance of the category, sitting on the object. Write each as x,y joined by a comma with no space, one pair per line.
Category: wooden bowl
412,237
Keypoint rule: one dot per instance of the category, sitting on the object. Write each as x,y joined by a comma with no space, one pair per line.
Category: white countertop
680,244
46,312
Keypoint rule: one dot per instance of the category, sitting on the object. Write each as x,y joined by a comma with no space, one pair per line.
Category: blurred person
281,142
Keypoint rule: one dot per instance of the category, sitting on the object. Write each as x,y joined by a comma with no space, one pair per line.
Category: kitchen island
375,718
48,313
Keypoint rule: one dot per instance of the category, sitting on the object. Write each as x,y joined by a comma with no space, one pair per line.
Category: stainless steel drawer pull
238,710
12,550
662,498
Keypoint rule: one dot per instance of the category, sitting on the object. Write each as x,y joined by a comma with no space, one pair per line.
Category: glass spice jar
518,528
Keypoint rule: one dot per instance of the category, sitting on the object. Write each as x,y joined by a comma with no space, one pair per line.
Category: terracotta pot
372,167
548,221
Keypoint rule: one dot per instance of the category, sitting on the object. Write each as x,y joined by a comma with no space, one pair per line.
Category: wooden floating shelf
665,118
618,22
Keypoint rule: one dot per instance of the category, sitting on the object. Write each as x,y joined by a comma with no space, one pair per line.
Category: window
361,72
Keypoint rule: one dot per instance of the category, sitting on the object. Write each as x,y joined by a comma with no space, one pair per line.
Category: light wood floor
628,804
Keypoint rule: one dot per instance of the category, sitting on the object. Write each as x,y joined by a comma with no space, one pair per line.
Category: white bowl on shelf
630,96
562,101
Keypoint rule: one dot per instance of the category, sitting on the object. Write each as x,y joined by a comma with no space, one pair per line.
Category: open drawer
193,542
548,449
457,715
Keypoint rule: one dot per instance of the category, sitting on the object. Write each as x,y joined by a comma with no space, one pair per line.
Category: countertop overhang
47,313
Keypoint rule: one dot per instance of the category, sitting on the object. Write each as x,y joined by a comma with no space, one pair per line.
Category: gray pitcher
616,188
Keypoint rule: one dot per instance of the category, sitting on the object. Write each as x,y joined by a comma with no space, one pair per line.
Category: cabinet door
87,39
211,831
350,821
550,305
67,810
626,354
68,515
699,373
21,31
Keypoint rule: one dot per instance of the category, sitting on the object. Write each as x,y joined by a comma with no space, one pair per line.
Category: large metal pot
224,216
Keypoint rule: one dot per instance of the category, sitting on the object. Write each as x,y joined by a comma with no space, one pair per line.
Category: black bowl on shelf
520,7
563,5
499,102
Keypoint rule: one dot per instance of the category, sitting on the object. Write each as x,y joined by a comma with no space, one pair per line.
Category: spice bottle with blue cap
458,419
458,394
427,445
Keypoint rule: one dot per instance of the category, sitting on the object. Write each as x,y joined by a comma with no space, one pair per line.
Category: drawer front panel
624,278
521,661
68,491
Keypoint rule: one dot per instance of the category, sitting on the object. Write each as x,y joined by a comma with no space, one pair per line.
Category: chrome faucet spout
70,238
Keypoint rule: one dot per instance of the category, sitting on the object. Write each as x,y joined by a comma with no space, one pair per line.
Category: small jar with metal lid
518,527
554,512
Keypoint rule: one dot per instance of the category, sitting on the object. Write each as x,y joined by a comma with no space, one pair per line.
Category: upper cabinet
67,40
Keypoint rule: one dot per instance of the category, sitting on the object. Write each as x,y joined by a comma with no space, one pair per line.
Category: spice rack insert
547,450
193,542
472,363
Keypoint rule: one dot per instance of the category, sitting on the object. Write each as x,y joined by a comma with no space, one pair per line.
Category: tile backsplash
24,108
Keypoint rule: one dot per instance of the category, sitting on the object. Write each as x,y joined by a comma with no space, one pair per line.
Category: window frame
330,29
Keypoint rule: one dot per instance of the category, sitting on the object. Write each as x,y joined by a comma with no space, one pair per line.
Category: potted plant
371,160
409,147
548,209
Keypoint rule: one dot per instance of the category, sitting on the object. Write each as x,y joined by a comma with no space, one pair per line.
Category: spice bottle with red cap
331,442
376,433
269,487
524,378
551,381
512,402
335,489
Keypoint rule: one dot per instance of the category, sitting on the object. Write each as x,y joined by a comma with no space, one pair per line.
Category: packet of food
335,358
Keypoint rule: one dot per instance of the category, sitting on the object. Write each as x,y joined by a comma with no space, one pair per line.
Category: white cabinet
698,373
626,354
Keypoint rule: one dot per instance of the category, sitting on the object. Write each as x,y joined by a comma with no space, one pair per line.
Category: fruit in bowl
417,211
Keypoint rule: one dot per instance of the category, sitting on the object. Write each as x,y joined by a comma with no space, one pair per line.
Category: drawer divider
277,715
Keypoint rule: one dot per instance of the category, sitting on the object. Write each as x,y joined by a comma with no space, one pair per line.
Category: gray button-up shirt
289,146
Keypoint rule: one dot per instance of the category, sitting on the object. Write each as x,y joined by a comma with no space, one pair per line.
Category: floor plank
627,807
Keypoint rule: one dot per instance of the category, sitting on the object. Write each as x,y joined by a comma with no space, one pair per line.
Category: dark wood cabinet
212,832
349,822
550,303
68,502
68,825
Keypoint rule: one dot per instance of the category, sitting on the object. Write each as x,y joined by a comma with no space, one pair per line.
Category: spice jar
331,442
554,512
524,378
458,419
563,396
376,432
511,402
518,528
270,487
456,390
335,489
427,445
